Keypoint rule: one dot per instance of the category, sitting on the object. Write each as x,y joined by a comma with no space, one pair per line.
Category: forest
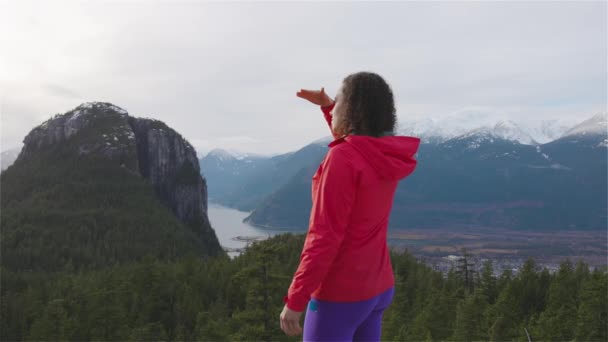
240,299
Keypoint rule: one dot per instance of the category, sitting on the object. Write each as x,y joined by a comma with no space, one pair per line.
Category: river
233,234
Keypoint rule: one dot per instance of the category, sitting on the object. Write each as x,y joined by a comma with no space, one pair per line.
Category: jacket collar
341,139
336,142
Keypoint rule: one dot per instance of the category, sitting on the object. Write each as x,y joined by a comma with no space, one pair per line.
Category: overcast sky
226,74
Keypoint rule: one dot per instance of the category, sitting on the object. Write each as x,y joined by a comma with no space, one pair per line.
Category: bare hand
318,97
290,321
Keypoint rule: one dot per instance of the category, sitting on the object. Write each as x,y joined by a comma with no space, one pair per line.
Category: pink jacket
345,256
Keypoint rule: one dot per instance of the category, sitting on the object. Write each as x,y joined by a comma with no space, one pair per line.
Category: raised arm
327,113
320,98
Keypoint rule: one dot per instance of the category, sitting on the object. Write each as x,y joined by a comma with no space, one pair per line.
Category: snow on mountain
481,134
509,130
433,130
477,137
530,133
443,128
239,155
459,123
221,154
596,125
476,124
429,130
548,130
229,154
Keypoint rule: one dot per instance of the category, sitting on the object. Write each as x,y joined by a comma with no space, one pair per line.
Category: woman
345,278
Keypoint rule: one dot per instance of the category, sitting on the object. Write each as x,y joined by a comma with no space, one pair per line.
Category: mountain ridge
437,130
479,178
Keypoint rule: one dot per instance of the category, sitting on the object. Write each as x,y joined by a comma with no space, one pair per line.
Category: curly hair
369,104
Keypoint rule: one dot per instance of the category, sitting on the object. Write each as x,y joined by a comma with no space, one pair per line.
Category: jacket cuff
297,306
327,109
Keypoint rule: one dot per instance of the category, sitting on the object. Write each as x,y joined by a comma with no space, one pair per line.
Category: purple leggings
351,321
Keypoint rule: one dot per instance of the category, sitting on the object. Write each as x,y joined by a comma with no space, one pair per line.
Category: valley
503,246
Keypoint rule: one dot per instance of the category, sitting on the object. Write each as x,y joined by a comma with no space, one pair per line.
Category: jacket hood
391,156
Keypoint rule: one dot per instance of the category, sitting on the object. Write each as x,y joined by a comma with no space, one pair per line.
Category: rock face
170,163
144,146
93,128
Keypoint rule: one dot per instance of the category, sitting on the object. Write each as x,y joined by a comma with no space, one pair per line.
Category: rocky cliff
170,163
146,147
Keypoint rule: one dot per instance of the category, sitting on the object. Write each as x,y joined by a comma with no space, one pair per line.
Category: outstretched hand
318,97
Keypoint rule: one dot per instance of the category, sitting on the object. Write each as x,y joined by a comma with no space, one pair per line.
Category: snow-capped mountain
442,128
223,154
428,130
596,125
504,130
592,132
549,130
482,177
431,130
509,130
437,130
246,155
495,174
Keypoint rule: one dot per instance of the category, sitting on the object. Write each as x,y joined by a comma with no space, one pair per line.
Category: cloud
215,70
59,91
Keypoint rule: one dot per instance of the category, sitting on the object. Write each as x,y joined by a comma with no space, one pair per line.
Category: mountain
95,186
8,157
243,183
583,149
441,129
548,130
289,206
228,174
503,130
484,178
594,127
509,130
241,180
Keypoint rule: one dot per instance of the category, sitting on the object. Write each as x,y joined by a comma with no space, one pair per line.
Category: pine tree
558,321
504,317
259,319
466,271
592,316
531,297
488,282
470,323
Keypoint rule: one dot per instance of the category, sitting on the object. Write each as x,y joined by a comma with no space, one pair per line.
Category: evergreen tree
592,316
470,322
504,317
488,282
466,271
558,321
259,318
531,296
